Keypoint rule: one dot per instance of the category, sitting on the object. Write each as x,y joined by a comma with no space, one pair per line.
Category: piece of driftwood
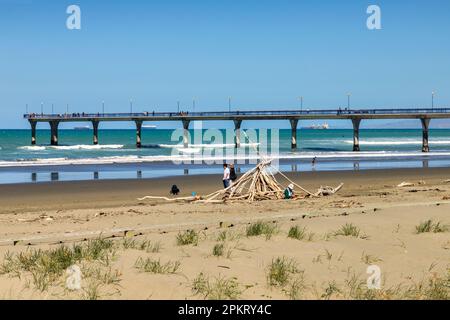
167,199
405,184
328,191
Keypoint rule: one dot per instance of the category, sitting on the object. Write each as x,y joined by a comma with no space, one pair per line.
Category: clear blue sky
264,54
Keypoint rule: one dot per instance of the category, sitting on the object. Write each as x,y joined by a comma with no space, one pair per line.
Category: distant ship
148,127
82,128
323,126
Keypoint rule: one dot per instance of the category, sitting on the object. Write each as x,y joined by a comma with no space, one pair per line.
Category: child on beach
289,192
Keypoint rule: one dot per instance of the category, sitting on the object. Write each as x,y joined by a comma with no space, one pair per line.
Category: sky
263,54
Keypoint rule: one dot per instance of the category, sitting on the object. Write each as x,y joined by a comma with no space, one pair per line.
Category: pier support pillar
95,128
54,132
186,133
138,133
33,132
425,131
356,122
237,133
294,123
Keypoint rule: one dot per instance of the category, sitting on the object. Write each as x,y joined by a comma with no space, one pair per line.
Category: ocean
116,156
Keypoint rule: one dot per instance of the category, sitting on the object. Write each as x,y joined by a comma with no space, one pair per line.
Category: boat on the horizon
82,128
149,127
323,126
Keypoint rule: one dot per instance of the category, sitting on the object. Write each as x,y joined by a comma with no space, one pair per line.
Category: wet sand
115,193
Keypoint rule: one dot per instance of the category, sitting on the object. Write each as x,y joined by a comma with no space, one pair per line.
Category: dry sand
44,214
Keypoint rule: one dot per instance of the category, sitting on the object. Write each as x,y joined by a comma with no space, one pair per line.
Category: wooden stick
165,198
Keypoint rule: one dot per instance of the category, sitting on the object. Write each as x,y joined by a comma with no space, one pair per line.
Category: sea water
116,155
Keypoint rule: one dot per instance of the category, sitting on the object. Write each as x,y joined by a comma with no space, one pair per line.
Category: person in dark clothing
233,176
174,191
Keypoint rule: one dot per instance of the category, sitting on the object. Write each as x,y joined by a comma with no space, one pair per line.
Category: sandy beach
147,252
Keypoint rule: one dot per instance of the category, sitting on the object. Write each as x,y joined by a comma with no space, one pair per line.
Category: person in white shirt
226,176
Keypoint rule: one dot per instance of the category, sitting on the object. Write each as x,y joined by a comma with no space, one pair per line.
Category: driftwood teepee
256,184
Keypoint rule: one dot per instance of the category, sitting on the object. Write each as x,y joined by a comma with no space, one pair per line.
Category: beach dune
325,244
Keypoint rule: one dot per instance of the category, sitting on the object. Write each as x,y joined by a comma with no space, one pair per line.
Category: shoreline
115,171
41,196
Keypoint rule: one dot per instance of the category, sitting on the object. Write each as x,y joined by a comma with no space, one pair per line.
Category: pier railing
325,112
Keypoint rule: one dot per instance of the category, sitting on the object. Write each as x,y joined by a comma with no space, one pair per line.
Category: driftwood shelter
256,184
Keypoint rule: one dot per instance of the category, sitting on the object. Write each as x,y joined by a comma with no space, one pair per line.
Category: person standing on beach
233,175
226,176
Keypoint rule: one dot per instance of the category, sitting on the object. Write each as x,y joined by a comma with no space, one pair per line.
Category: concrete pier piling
425,133
356,122
294,123
138,133
95,131
33,132
237,132
186,133
54,132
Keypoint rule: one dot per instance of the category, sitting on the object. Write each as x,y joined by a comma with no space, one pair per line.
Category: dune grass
348,230
188,237
227,235
433,287
261,228
298,233
219,288
369,259
296,288
144,245
155,266
280,270
218,250
48,266
431,226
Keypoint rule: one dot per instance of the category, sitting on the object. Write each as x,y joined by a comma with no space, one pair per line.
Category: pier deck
293,116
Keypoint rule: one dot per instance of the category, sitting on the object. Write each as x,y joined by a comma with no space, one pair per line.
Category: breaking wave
305,156
74,147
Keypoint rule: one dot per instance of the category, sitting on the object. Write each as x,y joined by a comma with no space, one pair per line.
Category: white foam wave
32,148
189,157
189,150
386,142
208,146
74,147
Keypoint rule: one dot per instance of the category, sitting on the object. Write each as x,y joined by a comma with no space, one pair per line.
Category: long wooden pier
293,116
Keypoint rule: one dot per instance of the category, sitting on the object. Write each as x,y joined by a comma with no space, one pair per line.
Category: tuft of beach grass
261,228
155,266
219,288
218,249
188,237
47,266
280,270
431,226
143,245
